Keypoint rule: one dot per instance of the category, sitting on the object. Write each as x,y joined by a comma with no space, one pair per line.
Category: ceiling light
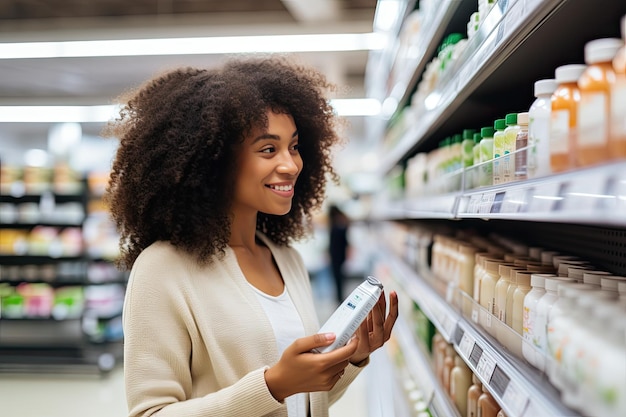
193,46
104,113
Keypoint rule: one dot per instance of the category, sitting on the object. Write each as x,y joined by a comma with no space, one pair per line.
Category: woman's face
268,166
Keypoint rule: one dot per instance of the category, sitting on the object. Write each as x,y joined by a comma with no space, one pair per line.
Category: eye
295,147
269,149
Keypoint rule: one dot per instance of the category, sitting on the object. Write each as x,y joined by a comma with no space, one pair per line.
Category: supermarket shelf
493,73
518,388
430,38
421,370
592,196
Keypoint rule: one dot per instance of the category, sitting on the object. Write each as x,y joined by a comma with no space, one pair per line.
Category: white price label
485,367
515,399
466,345
586,193
474,203
486,203
545,197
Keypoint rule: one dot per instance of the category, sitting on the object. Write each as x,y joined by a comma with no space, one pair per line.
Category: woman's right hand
300,370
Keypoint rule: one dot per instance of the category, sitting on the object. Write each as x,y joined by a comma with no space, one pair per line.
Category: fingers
390,321
308,343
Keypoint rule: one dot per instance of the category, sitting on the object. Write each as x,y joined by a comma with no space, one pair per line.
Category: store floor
67,395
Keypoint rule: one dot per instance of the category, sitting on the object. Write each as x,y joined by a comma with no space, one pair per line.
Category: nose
289,164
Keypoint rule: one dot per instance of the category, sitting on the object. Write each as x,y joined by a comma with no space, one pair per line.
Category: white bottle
603,364
530,344
539,129
350,314
543,309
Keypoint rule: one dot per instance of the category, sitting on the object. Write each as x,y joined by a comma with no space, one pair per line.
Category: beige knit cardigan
197,342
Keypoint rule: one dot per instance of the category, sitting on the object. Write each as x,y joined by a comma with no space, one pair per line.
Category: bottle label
618,110
559,129
592,120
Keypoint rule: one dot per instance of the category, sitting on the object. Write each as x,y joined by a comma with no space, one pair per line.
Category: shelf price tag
515,398
486,366
474,203
467,345
475,355
486,203
544,197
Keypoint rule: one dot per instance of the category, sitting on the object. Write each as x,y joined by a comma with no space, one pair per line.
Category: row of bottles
576,120
471,398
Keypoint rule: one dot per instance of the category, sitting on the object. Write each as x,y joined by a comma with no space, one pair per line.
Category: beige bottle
487,294
502,286
460,382
448,364
473,393
487,405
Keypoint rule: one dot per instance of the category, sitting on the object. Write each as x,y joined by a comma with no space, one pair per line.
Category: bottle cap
543,87
609,284
468,133
522,118
499,124
477,137
552,284
621,288
458,138
594,277
602,50
511,119
487,132
538,280
523,278
569,73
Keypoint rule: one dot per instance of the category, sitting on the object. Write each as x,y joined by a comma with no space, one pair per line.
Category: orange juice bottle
563,117
594,107
617,124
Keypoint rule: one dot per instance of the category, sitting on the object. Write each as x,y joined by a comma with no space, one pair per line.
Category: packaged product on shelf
467,155
473,393
529,318
460,382
543,306
523,288
521,143
510,136
486,406
485,173
564,117
448,364
498,150
487,295
501,288
594,107
573,353
617,138
475,168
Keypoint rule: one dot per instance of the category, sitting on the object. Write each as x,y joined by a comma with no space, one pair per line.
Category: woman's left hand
376,328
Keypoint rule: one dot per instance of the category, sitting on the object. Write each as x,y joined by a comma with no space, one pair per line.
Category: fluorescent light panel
193,46
104,113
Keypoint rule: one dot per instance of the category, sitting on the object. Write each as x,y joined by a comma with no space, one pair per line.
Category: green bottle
498,150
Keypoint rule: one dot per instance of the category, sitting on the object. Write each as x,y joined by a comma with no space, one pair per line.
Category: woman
217,172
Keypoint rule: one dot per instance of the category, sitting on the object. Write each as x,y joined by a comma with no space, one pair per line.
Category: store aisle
65,395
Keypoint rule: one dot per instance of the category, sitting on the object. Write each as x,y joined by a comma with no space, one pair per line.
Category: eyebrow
273,137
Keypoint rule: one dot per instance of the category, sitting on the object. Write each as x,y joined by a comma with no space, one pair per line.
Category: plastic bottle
498,150
460,382
521,144
530,342
558,327
564,117
501,288
523,288
485,172
466,268
448,364
543,309
475,170
486,405
575,352
595,104
473,393
617,139
487,295
538,160
510,136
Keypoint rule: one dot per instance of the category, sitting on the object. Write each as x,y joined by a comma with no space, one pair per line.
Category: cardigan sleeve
157,352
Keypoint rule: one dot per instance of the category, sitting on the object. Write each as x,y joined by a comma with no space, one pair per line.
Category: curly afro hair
174,172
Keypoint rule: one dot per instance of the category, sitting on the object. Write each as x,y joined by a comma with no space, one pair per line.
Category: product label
592,120
618,110
559,132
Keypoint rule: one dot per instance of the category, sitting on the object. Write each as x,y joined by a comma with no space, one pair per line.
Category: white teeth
282,187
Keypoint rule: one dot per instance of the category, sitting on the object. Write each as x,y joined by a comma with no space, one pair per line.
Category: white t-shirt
287,327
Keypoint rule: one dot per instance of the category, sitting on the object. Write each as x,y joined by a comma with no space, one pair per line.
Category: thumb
308,343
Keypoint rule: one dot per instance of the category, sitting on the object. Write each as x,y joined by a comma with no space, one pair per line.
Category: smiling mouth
280,187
